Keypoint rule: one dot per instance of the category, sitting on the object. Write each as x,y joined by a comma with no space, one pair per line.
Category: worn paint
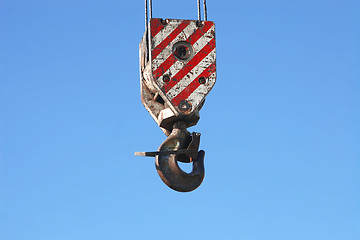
184,76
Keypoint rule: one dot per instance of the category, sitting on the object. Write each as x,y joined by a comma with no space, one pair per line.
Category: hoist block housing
177,69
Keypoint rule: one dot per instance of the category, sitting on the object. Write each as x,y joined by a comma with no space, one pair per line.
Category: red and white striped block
183,84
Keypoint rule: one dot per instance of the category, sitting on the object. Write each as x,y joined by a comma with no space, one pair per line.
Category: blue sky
280,128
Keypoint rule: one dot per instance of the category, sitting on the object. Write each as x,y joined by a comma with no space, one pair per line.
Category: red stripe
190,65
164,66
171,60
156,26
157,50
184,94
199,32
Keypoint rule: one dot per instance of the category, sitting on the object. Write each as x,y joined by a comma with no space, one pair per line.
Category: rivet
184,106
202,80
166,78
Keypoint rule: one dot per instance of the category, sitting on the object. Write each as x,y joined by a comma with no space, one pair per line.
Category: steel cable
198,7
205,10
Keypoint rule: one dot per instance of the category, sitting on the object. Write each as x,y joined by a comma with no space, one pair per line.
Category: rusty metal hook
166,163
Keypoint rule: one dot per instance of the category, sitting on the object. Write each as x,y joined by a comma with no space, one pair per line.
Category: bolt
184,106
202,80
166,78
163,21
183,51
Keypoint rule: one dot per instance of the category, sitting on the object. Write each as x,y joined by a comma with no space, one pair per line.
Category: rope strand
199,14
205,10
150,6
146,14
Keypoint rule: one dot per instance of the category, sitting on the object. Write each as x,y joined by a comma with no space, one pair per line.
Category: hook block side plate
182,60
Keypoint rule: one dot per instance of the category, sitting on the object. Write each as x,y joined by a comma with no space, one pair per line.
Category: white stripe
194,73
207,37
178,65
196,96
165,32
167,51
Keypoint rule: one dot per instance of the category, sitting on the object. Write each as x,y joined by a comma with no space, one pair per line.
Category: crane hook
166,163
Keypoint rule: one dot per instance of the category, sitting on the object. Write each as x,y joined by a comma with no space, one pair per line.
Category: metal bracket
191,151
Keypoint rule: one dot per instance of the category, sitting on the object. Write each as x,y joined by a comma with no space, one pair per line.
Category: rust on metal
167,166
177,72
